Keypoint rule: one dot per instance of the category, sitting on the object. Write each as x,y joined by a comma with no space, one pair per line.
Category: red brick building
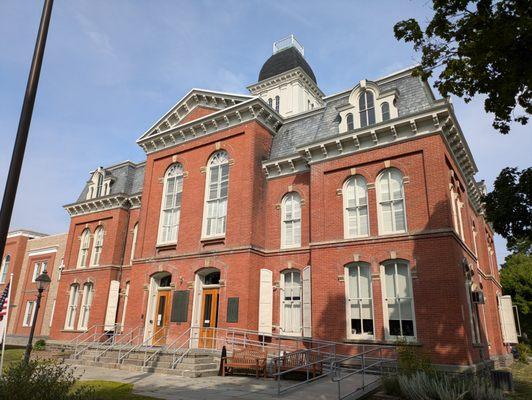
353,217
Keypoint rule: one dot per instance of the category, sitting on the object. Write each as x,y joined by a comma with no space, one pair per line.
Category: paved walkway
215,388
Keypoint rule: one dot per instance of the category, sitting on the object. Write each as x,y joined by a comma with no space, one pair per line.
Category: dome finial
289,41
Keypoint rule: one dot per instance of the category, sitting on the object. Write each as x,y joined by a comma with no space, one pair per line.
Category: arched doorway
205,308
159,308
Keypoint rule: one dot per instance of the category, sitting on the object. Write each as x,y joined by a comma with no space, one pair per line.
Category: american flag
3,302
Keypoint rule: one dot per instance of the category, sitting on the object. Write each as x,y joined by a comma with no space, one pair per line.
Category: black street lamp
42,282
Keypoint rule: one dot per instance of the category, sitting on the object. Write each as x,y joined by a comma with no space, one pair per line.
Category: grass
107,390
13,355
522,374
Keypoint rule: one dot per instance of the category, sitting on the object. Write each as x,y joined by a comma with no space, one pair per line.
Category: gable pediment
195,104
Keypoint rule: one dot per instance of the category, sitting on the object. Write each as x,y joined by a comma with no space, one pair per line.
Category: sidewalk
214,388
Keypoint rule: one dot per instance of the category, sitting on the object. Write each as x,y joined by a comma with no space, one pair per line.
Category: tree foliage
509,208
481,47
516,280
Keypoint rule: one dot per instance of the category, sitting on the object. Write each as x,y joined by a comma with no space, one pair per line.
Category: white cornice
294,74
110,202
195,97
440,119
252,109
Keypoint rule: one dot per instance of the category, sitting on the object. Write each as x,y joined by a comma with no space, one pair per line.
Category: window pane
353,282
363,222
362,102
384,189
363,119
399,215
403,289
365,282
371,116
389,278
386,214
369,99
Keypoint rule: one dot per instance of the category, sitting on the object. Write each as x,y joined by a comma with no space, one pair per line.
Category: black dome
283,61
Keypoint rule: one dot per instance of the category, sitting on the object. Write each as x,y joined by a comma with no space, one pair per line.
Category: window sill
165,246
213,239
288,248
384,342
66,330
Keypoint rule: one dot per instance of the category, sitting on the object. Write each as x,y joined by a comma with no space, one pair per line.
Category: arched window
291,316
134,242
356,220
270,102
385,111
86,302
84,248
349,121
399,305
171,204
359,300
216,195
97,247
5,267
392,218
277,103
72,306
291,220
99,185
366,107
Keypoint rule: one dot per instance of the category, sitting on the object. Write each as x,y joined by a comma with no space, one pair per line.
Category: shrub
390,384
41,380
523,351
39,345
410,360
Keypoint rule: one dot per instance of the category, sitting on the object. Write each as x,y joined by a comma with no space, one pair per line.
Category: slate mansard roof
284,61
127,179
324,123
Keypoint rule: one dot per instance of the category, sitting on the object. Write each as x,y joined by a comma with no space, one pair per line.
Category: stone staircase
195,363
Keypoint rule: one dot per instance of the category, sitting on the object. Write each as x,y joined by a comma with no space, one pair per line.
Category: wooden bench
298,361
248,359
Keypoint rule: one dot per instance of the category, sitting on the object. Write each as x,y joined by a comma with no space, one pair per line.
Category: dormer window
277,103
99,185
350,123
366,105
385,111
270,102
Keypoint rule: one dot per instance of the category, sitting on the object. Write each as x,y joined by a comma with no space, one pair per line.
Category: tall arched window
356,220
99,185
359,300
216,195
5,267
366,107
399,305
134,242
84,248
97,247
270,102
349,121
385,111
291,316
291,220
72,306
392,217
86,302
277,103
171,204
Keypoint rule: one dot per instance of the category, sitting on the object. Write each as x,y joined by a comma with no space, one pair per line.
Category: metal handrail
152,356
115,342
132,340
145,342
95,340
75,340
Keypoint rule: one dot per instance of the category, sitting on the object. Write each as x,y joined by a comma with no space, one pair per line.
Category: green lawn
107,390
522,374
12,355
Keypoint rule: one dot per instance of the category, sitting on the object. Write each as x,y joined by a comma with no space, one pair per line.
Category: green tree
516,280
479,47
509,208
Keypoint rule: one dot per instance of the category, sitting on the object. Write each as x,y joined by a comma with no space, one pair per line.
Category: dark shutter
232,309
180,306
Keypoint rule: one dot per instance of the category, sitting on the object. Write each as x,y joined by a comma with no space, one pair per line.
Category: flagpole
6,324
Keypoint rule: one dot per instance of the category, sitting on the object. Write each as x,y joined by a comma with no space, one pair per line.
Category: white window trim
134,242
282,302
204,235
476,336
85,237
366,111
72,305
86,304
345,205
97,247
349,334
379,207
6,262
294,245
178,175
30,303
385,305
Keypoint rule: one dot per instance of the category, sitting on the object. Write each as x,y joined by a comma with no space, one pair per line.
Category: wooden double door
161,317
209,318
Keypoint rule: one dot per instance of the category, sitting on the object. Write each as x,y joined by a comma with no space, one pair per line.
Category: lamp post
42,282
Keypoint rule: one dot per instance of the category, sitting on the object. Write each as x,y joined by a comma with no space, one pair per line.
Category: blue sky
112,68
